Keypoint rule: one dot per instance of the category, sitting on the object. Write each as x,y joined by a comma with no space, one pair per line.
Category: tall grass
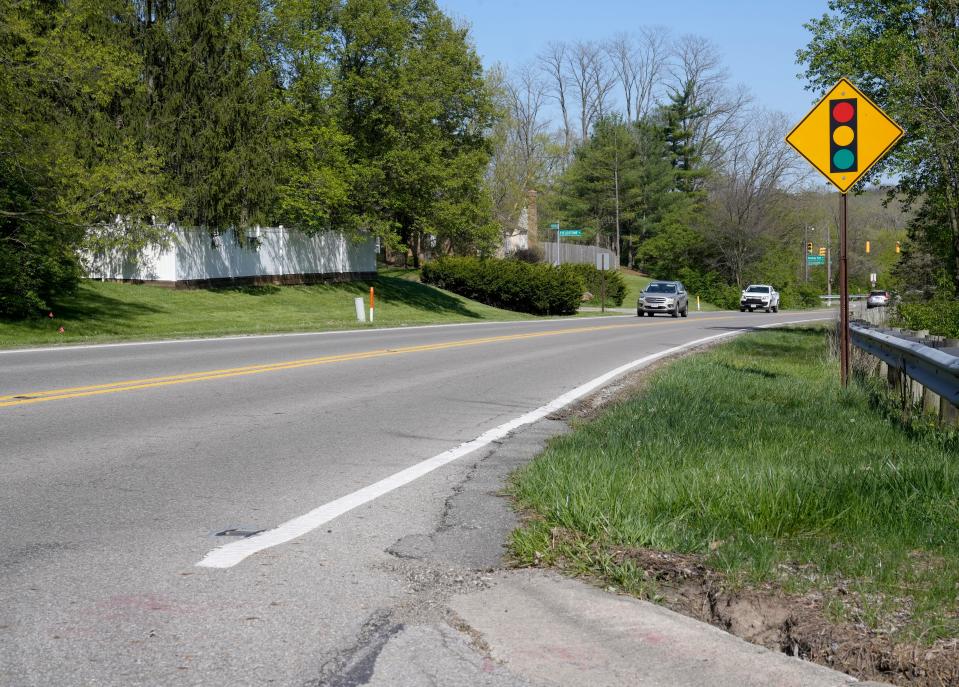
753,456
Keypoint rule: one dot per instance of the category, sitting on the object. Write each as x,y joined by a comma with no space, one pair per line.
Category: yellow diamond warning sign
844,135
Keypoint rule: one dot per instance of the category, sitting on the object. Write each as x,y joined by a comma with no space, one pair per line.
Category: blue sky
758,40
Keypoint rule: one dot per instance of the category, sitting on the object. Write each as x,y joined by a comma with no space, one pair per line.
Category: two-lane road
126,466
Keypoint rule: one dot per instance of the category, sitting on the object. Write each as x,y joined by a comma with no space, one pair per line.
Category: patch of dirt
795,624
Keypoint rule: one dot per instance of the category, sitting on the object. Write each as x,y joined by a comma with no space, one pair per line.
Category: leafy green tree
69,154
315,175
412,98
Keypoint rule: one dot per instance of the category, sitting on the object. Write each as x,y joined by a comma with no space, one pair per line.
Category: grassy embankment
752,457
112,312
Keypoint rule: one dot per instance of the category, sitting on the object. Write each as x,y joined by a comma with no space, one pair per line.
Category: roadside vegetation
750,464
111,312
526,286
940,316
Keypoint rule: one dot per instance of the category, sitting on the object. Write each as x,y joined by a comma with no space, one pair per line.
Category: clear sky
758,39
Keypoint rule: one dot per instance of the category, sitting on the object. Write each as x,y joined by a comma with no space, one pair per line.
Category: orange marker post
371,304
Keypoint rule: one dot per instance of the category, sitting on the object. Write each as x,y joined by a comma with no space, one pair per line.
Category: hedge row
534,288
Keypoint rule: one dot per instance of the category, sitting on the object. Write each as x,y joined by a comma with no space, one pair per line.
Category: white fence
574,253
268,255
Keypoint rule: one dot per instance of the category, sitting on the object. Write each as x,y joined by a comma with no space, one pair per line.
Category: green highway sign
815,260
571,232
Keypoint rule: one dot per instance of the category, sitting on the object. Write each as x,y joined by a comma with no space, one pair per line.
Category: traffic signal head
808,248
898,248
843,134
867,246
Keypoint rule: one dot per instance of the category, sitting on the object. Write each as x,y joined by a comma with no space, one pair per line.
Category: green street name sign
570,232
815,260
554,225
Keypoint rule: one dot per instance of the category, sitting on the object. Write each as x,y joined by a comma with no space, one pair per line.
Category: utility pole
616,177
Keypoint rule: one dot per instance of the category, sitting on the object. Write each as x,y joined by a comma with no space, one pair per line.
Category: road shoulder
480,622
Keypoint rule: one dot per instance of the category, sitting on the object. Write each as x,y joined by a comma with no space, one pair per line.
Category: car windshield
758,289
877,293
661,288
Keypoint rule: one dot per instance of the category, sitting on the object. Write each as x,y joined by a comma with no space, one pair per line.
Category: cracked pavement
108,503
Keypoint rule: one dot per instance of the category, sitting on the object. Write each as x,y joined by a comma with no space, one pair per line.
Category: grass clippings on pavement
744,487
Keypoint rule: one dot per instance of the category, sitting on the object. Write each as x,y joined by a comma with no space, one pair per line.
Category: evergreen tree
680,117
214,108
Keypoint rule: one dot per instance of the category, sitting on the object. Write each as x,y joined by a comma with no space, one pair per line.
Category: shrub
711,288
539,289
940,316
592,281
799,296
532,254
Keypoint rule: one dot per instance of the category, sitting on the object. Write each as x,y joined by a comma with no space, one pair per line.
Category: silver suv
665,297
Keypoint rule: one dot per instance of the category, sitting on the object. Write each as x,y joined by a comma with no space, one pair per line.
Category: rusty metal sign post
843,136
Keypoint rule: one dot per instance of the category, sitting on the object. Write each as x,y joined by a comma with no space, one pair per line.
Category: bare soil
795,624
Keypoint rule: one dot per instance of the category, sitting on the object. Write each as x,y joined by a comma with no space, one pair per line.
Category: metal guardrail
852,297
931,367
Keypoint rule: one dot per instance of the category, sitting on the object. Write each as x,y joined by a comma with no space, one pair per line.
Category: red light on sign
843,111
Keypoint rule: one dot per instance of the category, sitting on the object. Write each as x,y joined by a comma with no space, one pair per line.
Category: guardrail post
948,414
930,401
893,376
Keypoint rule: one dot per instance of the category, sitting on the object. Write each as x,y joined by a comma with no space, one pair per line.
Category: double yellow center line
169,380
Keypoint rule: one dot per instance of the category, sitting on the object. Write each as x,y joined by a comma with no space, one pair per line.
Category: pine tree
214,109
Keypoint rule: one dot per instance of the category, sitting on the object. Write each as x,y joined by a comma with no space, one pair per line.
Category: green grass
634,284
111,312
754,449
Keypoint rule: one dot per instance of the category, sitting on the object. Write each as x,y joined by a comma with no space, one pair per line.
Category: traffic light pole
843,294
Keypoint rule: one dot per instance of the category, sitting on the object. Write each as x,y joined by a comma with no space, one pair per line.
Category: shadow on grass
413,294
751,370
89,306
247,290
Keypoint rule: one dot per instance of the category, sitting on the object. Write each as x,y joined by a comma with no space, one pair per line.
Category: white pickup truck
756,296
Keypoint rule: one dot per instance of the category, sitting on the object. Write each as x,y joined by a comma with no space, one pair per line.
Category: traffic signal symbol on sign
822,250
842,135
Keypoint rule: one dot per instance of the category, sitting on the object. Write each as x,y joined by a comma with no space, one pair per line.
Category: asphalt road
124,465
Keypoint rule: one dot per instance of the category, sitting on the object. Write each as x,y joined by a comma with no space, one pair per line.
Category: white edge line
241,337
228,555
